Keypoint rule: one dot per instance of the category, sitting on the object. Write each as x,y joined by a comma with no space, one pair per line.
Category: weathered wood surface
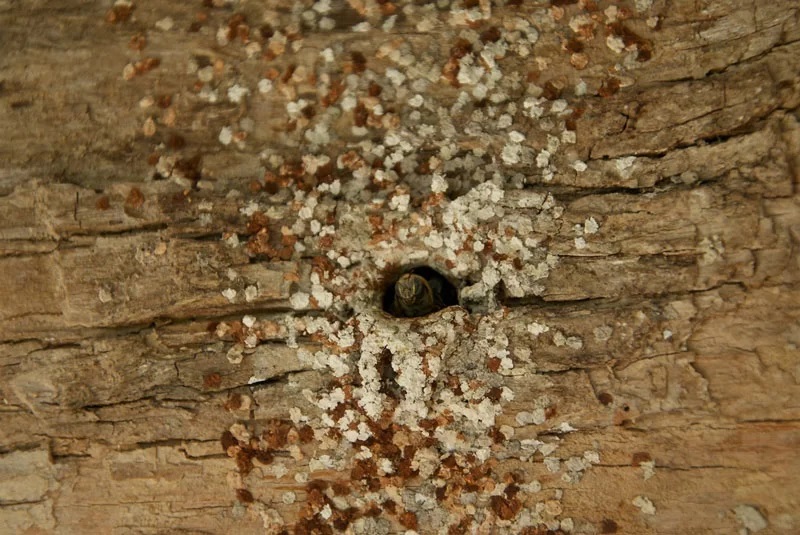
653,360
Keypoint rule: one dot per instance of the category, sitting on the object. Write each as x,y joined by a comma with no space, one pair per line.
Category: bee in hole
415,295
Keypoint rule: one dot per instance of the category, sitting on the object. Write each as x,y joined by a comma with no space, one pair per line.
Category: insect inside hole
419,292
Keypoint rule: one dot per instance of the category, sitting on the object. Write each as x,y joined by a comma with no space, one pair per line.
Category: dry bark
671,343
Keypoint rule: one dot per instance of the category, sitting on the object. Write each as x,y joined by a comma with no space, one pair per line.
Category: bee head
411,288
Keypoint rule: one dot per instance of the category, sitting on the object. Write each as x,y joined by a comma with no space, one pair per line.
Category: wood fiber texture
200,203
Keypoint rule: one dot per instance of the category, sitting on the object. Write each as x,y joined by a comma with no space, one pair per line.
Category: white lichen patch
300,300
648,469
750,518
645,505
226,135
536,328
165,24
536,417
237,93
229,294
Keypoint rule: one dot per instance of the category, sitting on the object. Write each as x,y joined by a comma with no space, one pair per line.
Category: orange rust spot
212,380
135,198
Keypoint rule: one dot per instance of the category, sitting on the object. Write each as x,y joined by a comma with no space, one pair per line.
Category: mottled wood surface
672,332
